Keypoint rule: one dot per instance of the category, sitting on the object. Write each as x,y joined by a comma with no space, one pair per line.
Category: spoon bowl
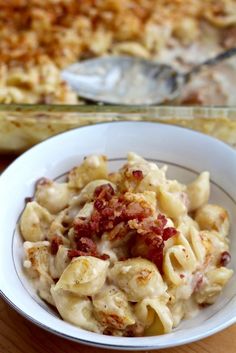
124,80
131,81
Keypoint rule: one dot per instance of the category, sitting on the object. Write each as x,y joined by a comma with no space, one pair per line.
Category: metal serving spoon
131,81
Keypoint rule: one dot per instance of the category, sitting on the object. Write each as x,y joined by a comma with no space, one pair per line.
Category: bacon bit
137,174
82,227
56,241
73,253
99,204
169,232
118,216
162,219
94,222
109,212
101,222
104,191
151,237
225,258
135,211
86,245
181,276
155,254
148,226
103,256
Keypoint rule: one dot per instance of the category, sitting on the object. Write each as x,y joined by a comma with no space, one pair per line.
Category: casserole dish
22,126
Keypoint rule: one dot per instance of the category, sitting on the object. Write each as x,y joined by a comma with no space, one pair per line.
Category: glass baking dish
22,126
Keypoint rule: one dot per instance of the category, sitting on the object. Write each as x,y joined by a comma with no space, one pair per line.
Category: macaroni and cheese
127,253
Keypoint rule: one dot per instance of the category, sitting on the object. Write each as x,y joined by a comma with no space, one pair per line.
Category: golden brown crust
63,31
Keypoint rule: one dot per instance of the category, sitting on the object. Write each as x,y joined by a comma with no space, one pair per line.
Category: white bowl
186,152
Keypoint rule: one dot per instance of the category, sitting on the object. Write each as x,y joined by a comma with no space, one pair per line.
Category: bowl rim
116,346
121,346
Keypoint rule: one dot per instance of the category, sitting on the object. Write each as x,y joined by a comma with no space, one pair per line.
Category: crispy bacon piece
103,256
155,246
162,220
109,210
156,256
119,217
99,204
225,258
148,226
104,191
168,233
82,227
138,175
134,210
86,247
150,239
56,241
74,253
102,221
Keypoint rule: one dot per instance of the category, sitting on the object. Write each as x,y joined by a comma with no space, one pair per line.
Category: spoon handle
211,62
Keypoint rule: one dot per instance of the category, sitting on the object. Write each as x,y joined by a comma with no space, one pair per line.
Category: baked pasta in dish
128,253
39,38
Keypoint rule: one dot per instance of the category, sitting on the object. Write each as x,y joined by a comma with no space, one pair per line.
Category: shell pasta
127,253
